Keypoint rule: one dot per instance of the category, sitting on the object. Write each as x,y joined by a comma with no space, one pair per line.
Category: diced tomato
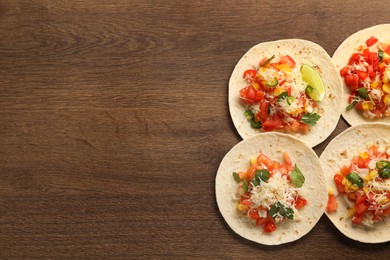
264,159
300,202
295,125
332,203
361,208
371,41
355,58
287,158
272,123
360,161
360,199
344,71
261,221
345,170
338,179
253,214
357,219
250,95
250,172
250,75
352,81
269,227
374,150
286,59
263,113
259,95
362,74
246,202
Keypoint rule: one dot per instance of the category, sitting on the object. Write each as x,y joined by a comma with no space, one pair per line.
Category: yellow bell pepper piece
386,99
386,88
368,105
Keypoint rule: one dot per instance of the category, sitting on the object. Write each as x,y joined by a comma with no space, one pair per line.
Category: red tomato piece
355,58
361,208
272,123
362,74
269,227
263,111
332,203
246,202
300,202
286,59
352,81
344,71
360,199
264,159
338,179
254,214
357,219
371,41
250,75
259,95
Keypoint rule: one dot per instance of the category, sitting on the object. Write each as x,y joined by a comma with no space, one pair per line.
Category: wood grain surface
114,119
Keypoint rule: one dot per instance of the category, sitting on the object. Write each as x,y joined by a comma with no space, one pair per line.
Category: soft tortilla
273,145
301,51
341,57
339,152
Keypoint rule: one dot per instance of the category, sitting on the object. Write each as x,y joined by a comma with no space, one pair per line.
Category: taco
363,61
270,188
288,86
356,164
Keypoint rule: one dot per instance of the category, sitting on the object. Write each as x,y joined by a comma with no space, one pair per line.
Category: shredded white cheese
277,188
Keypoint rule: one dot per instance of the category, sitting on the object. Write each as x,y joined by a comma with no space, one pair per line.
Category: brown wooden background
114,119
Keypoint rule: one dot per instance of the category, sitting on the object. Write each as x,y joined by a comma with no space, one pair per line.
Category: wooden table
114,119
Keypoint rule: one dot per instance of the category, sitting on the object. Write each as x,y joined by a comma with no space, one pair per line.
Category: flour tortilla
341,57
339,152
273,145
301,51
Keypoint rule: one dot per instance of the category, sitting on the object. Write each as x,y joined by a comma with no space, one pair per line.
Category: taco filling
367,76
365,184
269,192
278,97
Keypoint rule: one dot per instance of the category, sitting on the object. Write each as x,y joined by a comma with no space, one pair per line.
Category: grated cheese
277,188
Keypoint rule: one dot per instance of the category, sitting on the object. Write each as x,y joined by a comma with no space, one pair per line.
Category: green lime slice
313,79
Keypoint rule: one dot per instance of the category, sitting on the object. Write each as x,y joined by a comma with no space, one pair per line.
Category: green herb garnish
310,119
260,176
297,177
281,210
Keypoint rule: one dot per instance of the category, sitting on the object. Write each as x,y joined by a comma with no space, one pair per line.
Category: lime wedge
316,88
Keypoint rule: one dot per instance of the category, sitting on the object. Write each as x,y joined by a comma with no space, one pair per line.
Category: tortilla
341,57
339,152
273,145
301,51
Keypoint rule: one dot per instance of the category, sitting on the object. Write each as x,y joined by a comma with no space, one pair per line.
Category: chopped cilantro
281,210
260,176
297,177
310,119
